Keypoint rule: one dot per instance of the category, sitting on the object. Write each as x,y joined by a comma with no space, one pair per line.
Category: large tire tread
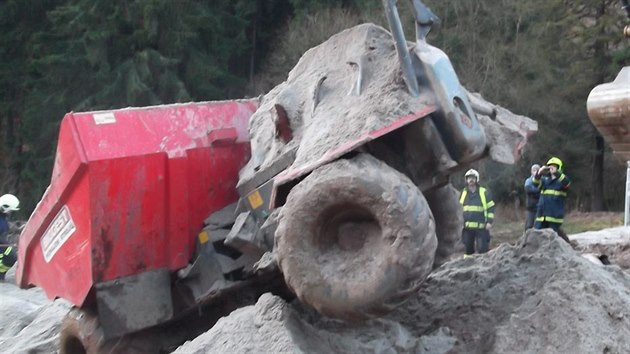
449,221
355,199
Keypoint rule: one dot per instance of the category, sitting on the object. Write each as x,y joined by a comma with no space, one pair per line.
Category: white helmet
472,172
9,202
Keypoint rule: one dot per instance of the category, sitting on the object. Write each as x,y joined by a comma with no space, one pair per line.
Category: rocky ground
536,296
29,322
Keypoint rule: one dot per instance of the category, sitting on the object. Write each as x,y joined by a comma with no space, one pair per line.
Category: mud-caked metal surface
346,96
124,307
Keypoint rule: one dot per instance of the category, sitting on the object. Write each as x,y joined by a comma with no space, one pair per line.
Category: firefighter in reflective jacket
8,252
478,215
553,192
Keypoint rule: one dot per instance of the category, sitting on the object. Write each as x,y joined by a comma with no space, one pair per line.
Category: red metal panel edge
333,154
51,202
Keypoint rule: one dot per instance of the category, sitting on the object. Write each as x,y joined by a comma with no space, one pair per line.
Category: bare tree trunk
10,143
597,175
9,138
597,166
252,61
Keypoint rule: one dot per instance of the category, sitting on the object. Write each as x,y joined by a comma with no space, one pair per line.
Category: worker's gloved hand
488,226
543,171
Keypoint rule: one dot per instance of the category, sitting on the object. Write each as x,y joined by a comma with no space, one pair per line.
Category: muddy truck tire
81,333
355,238
449,221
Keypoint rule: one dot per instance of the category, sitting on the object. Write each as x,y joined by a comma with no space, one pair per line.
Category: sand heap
29,322
538,296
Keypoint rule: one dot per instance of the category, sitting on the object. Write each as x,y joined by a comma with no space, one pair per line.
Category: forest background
538,58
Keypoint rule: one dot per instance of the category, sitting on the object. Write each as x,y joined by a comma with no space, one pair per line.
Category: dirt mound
29,322
273,326
538,296
614,243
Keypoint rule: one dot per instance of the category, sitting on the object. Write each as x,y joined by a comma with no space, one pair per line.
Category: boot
564,236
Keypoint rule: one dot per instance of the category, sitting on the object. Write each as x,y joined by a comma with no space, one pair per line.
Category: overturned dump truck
333,187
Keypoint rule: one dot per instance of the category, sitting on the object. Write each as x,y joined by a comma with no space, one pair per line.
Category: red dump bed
129,192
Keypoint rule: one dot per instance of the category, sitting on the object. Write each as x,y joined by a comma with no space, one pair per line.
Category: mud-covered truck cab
349,175
333,186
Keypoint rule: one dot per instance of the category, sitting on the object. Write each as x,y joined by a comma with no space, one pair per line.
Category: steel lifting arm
401,47
424,19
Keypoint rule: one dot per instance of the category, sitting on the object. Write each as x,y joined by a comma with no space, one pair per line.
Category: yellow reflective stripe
550,219
475,208
484,202
554,192
474,225
3,268
561,177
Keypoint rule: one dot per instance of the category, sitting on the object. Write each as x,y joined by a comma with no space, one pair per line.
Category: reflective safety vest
478,208
553,192
5,267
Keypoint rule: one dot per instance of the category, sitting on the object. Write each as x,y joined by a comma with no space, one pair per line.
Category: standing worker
553,185
478,215
8,252
532,194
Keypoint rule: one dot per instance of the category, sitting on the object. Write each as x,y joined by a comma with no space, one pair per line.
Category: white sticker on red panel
57,233
104,118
